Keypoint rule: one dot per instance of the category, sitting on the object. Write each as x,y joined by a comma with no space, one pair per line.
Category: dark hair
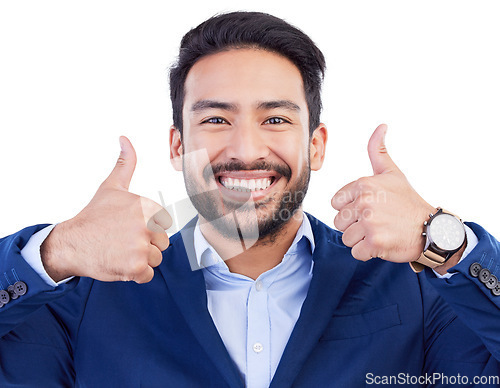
249,29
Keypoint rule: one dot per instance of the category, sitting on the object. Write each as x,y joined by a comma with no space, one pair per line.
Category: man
252,292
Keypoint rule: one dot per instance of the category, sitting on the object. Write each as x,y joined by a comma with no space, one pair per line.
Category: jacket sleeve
467,342
37,327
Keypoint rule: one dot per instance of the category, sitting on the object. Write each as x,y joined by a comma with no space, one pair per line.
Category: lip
242,196
255,174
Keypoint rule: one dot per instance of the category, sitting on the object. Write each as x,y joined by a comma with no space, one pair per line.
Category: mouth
255,183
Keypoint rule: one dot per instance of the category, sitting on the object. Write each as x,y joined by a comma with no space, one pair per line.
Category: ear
317,147
176,149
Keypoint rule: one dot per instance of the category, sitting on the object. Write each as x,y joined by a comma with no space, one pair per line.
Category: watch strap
429,258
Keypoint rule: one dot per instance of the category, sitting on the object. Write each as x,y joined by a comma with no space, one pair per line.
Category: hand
382,215
117,236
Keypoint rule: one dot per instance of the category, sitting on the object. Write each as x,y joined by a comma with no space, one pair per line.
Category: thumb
379,158
125,165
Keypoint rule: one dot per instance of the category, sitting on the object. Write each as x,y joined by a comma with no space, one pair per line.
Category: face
246,150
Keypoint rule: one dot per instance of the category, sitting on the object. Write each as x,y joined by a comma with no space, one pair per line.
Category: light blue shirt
256,317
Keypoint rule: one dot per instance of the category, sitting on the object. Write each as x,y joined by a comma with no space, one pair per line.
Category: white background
76,75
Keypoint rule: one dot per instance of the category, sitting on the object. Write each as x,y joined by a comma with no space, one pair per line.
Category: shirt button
258,285
257,347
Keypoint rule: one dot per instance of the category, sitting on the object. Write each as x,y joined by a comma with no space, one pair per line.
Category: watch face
447,232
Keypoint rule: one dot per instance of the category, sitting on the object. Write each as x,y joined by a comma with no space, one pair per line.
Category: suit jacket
360,320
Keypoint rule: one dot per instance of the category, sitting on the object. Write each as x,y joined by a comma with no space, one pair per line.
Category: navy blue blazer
360,321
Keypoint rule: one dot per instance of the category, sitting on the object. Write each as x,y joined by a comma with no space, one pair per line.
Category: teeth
246,185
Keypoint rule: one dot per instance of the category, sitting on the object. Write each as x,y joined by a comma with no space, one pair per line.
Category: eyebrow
264,105
286,104
212,104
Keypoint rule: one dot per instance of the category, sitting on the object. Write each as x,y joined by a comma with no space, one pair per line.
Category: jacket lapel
333,269
187,288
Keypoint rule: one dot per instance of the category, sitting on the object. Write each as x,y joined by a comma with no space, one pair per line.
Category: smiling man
260,152
253,292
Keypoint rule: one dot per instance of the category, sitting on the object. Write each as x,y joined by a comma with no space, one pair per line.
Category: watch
445,235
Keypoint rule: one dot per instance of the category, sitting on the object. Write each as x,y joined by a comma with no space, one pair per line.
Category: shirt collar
201,245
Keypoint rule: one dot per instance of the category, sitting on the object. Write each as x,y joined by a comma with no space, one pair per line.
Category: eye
215,120
276,120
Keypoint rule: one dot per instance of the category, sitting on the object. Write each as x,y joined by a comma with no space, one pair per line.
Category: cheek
292,150
202,143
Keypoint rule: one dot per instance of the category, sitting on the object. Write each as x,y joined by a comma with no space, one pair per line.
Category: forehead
243,77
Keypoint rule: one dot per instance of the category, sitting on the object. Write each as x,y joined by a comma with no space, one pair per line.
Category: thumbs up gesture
117,236
381,215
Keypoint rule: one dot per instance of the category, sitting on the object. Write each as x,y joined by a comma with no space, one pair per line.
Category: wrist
451,262
445,244
56,252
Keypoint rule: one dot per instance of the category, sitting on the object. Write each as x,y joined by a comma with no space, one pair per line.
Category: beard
251,220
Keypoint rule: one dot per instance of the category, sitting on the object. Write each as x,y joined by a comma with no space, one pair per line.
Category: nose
247,144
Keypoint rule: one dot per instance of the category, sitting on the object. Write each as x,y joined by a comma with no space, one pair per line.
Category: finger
377,151
162,218
155,214
353,234
346,216
160,239
125,165
345,195
361,251
155,257
145,276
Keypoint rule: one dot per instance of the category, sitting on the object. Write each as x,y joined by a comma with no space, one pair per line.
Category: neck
265,254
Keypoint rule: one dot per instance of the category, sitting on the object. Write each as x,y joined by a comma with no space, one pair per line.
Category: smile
239,184
246,185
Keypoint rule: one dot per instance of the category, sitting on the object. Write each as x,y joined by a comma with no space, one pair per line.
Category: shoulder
324,233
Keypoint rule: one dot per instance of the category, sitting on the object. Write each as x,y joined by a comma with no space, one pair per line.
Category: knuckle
364,183
121,162
368,223
165,244
346,240
125,278
337,221
375,241
335,203
140,251
144,280
137,268
158,257
356,252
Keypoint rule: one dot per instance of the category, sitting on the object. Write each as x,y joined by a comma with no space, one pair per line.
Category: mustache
213,169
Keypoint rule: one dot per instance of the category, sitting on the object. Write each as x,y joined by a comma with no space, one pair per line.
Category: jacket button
12,292
492,282
484,275
496,290
474,269
4,297
20,288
